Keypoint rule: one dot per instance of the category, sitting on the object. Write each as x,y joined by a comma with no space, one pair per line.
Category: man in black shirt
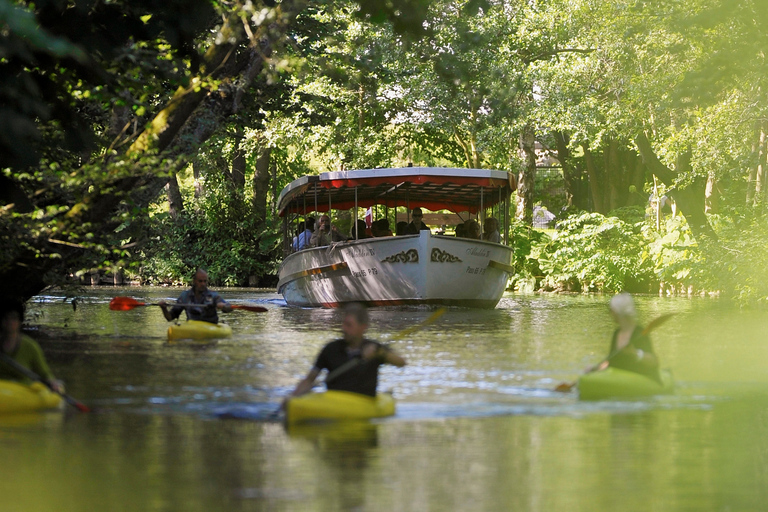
352,361
416,225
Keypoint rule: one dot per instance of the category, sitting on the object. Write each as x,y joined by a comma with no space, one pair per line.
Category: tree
140,53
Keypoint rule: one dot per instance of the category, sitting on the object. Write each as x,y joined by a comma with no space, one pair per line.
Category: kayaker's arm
224,306
164,309
306,384
383,354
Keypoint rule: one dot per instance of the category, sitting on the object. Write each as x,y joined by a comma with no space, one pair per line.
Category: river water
189,426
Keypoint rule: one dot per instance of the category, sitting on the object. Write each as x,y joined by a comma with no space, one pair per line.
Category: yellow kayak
198,330
338,405
16,397
618,383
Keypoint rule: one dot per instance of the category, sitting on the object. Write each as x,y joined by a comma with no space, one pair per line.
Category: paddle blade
124,304
253,309
656,322
431,319
565,387
78,405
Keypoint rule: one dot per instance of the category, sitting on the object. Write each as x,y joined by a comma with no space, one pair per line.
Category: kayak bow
198,330
617,383
338,405
16,397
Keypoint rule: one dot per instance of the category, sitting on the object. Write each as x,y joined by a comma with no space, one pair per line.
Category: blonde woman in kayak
631,350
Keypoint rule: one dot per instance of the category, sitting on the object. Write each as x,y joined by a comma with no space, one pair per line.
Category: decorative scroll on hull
412,269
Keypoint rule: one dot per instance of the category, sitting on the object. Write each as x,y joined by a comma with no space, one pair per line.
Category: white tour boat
425,268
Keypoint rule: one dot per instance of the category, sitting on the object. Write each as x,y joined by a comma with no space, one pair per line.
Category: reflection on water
191,426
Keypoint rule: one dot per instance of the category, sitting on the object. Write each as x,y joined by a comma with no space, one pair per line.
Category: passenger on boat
400,228
460,230
416,225
325,233
631,350
491,230
361,232
208,301
302,241
380,228
353,361
20,347
472,229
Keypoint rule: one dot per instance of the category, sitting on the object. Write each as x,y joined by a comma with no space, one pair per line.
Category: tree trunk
175,201
261,178
596,184
569,174
238,162
199,189
527,176
690,200
761,174
711,196
614,175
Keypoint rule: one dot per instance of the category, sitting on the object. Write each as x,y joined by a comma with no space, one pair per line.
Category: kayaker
630,349
20,347
208,300
352,361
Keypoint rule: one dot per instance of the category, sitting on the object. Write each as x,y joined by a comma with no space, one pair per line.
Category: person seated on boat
472,229
630,350
325,233
20,347
491,230
400,228
295,241
353,361
302,240
416,225
460,230
361,232
207,302
380,228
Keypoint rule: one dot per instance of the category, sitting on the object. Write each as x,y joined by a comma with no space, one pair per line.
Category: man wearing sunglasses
416,224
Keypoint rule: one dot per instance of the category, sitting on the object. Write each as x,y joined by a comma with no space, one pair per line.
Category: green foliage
591,252
222,235
738,265
526,242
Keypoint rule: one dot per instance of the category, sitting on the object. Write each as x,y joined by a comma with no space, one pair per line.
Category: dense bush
591,252
219,233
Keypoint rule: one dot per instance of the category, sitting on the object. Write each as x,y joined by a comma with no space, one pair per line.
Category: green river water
478,427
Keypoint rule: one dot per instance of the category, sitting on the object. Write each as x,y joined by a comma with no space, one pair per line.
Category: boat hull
411,269
16,397
617,383
338,405
198,330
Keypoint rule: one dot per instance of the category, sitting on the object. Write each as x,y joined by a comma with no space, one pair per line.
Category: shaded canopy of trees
105,107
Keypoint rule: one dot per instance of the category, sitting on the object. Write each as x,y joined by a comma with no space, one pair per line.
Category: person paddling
352,361
631,349
21,348
208,300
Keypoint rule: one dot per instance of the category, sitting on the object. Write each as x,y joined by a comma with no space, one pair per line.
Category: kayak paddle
128,303
405,332
565,387
33,376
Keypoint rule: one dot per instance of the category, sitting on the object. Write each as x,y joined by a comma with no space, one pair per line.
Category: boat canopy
433,188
